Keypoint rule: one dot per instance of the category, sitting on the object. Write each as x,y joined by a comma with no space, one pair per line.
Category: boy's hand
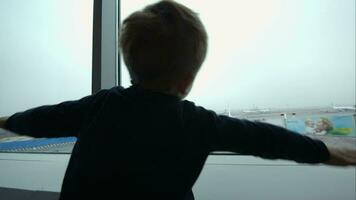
342,150
2,122
341,156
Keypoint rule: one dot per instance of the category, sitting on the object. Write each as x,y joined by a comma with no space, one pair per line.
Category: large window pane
46,52
45,58
272,54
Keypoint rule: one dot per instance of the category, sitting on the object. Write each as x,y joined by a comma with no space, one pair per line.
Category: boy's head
163,47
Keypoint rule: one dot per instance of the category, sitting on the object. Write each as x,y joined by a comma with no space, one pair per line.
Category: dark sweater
148,145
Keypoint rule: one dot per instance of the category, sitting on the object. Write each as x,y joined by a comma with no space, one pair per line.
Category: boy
145,142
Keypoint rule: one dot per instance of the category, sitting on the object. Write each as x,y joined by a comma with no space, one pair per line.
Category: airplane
256,111
344,108
228,111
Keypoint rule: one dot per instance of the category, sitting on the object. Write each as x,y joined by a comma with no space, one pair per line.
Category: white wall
223,177
250,178
28,171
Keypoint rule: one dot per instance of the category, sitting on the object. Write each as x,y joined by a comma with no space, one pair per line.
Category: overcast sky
273,53
45,53
262,53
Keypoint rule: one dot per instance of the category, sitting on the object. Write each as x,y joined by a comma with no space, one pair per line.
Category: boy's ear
185,84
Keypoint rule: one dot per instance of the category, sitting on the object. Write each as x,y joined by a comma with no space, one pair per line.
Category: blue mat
42,143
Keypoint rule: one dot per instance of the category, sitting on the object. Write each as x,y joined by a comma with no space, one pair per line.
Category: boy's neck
167,91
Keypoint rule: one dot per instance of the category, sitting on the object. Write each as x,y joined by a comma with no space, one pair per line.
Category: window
46,58
46,52
272,54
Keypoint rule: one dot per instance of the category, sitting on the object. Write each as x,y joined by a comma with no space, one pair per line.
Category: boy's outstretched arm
60,120
274,142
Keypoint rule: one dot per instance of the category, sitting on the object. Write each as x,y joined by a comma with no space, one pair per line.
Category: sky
45,53
272,54
262,53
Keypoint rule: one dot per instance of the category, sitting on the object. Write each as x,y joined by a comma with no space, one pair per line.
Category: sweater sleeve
264,140
60,120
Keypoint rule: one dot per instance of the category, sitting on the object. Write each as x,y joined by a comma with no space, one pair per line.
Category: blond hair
163,43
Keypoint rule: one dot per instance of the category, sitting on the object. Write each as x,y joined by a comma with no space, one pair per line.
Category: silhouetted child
146,142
